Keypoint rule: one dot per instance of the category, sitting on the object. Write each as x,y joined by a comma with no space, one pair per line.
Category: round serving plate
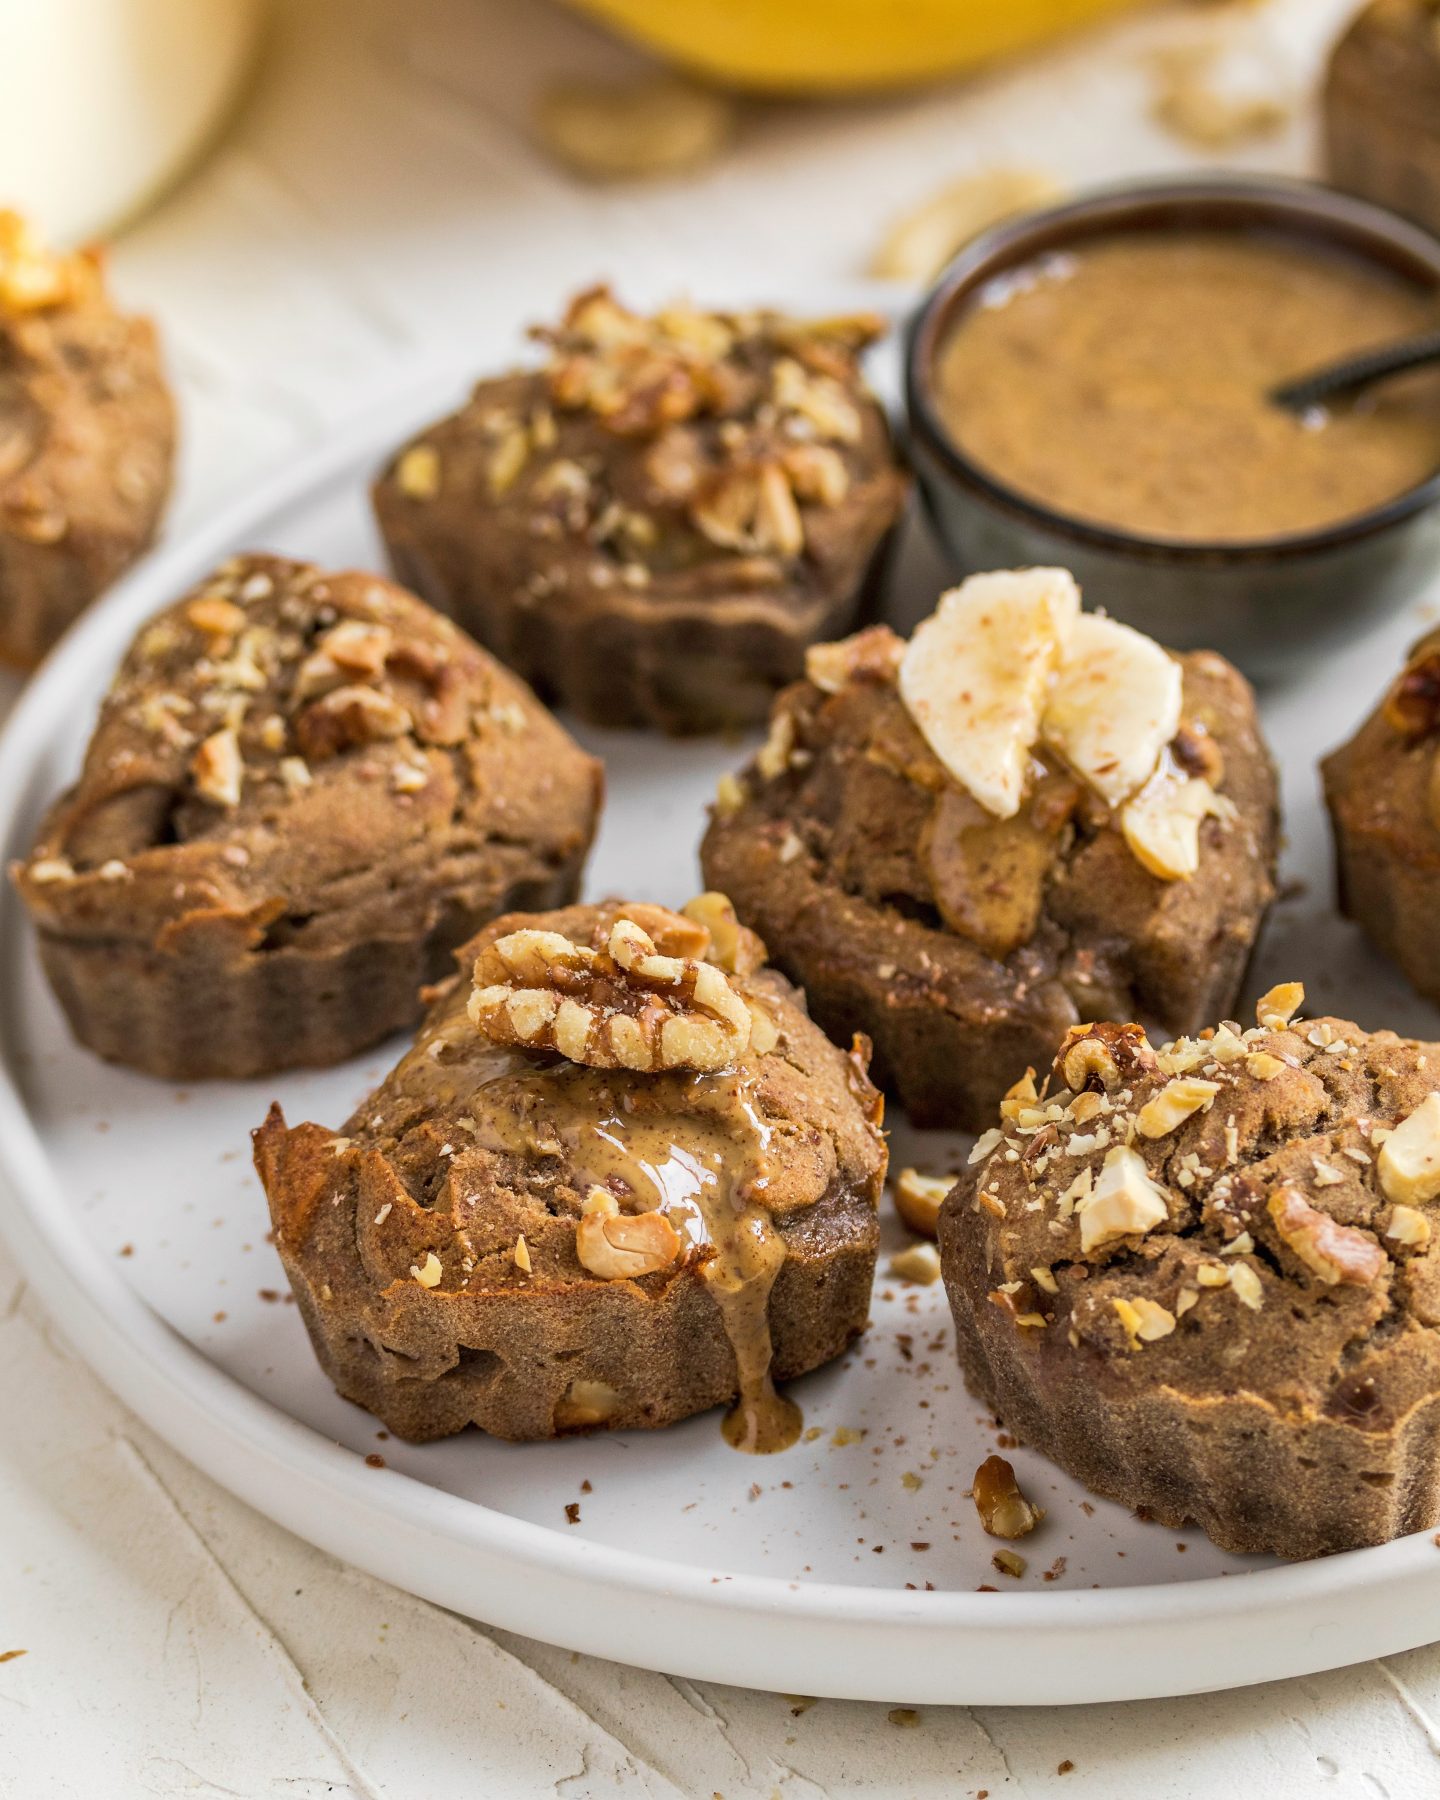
850,1565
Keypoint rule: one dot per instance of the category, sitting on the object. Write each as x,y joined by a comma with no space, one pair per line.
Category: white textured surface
375,206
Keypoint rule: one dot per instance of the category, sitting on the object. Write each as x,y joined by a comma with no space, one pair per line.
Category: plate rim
216,1422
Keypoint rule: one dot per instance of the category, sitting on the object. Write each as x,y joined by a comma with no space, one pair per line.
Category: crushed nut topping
1408,1226
1124,1202
1004,1511
1177,1101
871,655
626,1006
620,1246
1144,1320
430,1272
1334,1252
218,769
1104,1055
1409,1165
1276,1008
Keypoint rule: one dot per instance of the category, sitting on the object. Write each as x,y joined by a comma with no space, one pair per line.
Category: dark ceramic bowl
1270,604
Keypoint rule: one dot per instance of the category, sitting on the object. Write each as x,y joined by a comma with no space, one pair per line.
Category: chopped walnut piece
1103,1055
358,646
1409,1164
348,716
1144,1320
1263,1066
1334,1252
215,616
870,655
1276,1008
1245,1285
1177,1101
623,1007
730,796
218,769
918,1199
1408,1226
51,868
1162,823
1124,1201
731,948
1004,1511
620,1246
520,1255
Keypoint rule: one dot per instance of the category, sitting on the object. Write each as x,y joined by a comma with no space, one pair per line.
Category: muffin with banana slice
619,1179
1025,818
1205,1278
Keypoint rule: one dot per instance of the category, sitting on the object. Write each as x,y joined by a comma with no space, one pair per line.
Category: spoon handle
1358,371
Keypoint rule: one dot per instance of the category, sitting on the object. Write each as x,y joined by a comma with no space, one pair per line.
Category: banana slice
975,676
1114,707
1162,823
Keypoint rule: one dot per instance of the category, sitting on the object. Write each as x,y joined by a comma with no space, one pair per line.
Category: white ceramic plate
851,1565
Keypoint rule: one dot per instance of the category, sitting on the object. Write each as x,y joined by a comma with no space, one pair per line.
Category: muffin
1383,792
1205,1279
304,790
653,526
1026,818
87,439
619,1179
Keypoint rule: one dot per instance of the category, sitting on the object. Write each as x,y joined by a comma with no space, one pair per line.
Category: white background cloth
374,208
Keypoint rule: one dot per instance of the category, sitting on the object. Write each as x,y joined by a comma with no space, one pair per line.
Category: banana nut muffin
87,439
652,527
303,791
1205,1279
1025,818
620,1178
1383,792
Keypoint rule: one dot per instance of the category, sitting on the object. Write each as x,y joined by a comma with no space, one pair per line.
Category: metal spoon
1354,372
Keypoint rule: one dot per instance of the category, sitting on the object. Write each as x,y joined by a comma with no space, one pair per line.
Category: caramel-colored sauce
1125,382
694,1147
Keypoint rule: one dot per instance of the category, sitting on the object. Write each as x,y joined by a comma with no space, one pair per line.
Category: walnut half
622,1007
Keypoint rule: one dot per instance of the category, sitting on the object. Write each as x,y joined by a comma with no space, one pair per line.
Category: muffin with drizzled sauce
619,1179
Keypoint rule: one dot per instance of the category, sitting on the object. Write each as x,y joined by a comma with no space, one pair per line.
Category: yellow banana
829,46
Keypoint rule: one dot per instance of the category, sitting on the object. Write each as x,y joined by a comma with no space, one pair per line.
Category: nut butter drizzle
692,1146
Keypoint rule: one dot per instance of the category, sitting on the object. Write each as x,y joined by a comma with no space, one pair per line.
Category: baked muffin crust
653,526
964,944
1205,1280
304,789
87,439
539,1240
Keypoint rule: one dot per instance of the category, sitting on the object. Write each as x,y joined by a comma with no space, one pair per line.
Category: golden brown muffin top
692,452
284,741
1249,1209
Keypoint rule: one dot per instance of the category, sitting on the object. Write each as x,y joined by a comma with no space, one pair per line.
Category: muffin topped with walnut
1383,792
303,791
619,1179
87,439
1026,817
652,526
1205,1279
